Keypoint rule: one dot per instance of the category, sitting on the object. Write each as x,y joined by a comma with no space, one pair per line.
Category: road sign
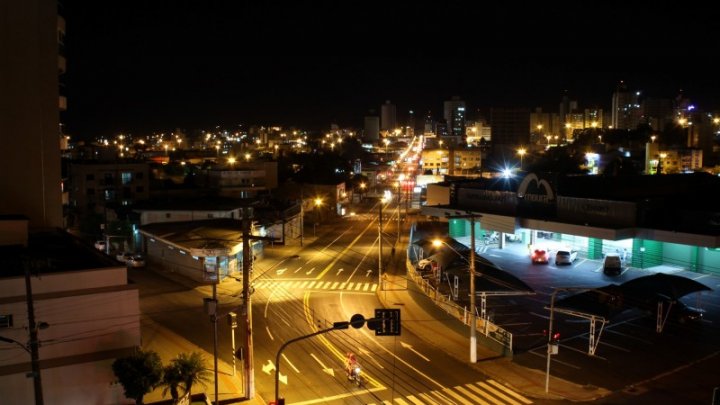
388,322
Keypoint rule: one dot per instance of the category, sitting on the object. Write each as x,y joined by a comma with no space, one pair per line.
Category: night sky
156,65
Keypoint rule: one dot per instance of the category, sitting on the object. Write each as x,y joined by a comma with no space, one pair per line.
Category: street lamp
387,142
362,190
521,152
473,316
382,201
318,202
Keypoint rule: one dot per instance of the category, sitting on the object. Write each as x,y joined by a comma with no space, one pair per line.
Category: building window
6,321
90,191
139,189
90,177
109,179
126,178
139,175
109,195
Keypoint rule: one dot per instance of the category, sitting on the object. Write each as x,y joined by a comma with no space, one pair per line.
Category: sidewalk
169,344
430,323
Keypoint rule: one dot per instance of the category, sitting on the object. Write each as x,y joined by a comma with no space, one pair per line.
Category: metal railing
446,303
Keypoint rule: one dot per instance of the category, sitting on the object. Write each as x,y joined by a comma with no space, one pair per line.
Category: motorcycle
355,375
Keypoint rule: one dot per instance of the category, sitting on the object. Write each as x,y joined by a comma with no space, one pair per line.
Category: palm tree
172,378
139,373
192,370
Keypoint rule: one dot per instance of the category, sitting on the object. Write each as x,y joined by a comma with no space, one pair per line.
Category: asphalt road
335,276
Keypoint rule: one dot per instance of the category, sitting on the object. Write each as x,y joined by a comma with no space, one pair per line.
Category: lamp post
318,203
302,217
473,316
549,342
362,190
521,152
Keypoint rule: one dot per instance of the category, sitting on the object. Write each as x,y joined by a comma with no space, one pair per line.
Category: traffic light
555,338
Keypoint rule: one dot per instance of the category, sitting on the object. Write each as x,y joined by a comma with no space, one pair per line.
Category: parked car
678,311
565,256
612,264
684,313
136,261
540,256
123,257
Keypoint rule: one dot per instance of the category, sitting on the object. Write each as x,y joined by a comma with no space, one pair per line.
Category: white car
565,256
136,261
124,257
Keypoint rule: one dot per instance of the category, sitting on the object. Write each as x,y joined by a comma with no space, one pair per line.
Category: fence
445,302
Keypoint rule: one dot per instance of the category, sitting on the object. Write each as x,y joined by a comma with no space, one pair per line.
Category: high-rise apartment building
372,128
454,114
657,112
87,313
30,106
625,108
510,130
410,127
388,116
429,126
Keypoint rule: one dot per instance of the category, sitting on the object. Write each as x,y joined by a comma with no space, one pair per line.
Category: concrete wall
93,317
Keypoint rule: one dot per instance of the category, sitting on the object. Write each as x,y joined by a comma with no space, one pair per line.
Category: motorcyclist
350,364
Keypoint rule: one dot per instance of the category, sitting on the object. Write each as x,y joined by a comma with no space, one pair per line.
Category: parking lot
628,348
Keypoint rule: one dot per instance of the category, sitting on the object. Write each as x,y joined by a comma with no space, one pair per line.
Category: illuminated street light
652,138
231,160
380,284
473,315
317,203
521,152
247,157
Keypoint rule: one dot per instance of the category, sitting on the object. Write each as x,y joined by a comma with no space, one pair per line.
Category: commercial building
662,219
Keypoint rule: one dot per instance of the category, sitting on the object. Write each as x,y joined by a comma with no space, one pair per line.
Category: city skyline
150,68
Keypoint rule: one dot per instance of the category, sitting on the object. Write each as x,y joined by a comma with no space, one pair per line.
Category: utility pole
302,216
246,307
382,200
34,344
473,314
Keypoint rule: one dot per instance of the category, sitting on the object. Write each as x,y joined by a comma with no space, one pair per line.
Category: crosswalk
315,285
489,392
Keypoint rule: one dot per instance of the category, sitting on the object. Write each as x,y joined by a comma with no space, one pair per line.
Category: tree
172,378
191,370
139,373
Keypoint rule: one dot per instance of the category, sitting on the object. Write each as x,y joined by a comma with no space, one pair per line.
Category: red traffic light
556,336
